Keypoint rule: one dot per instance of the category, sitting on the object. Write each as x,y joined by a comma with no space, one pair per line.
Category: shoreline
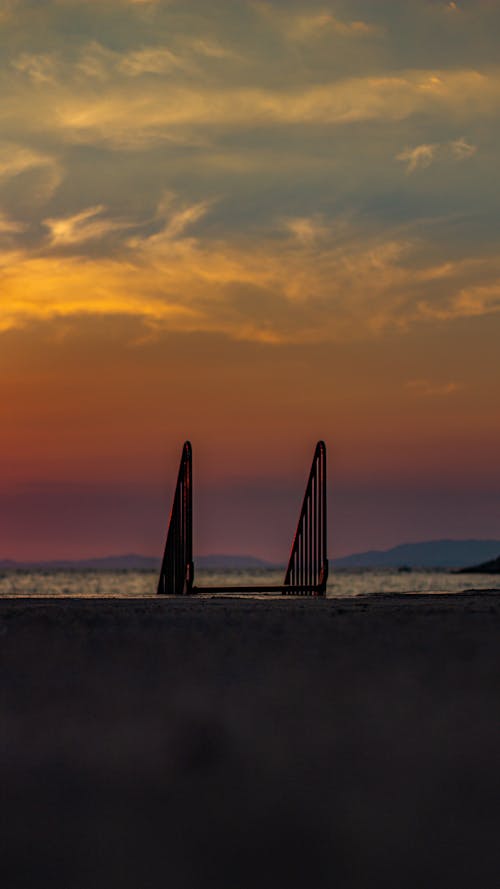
257,596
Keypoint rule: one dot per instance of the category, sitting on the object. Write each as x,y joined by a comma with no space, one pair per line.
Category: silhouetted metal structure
308,565
177,569
307,571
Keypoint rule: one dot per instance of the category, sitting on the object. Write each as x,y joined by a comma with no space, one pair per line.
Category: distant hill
430,554
129,562
231,563
134,562
492,567
448,554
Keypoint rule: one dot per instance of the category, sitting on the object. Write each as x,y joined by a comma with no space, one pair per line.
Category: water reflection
132,583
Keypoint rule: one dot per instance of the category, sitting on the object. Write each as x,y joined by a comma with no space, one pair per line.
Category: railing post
177,570
307,571
308,563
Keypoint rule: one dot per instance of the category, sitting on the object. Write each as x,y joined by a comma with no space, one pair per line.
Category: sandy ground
297,744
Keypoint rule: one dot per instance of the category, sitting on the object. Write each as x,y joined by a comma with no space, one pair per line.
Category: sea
342,584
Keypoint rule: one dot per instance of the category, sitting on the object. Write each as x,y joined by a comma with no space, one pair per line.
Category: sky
253,224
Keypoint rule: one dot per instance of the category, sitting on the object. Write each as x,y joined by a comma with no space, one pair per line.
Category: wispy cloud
152,60
472,301
298,283
306,229
179,98
16,160
9,226
422,156
462,150
40,68
130,117
84,226
176,218
289,133
310,24
212,49
98,61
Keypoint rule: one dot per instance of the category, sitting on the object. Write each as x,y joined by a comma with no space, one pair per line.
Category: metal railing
308,564
307,570
177,569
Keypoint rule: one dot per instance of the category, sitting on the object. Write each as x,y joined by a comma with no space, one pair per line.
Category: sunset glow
254,225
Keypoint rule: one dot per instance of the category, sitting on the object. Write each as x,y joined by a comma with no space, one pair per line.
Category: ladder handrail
307,570
308,563
177,570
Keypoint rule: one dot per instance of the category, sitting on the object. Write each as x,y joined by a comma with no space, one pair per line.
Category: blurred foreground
294,744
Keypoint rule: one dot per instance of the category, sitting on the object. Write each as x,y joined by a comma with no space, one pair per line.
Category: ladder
307,570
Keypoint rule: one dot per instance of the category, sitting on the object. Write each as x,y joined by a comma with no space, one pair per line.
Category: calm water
130,583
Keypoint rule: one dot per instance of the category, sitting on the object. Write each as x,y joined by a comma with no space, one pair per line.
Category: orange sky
254,230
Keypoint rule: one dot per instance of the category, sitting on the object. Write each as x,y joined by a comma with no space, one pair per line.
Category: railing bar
320,514
309,542
318,508
304,550
304,554
190,523
324,507
306,543
315,526
295,544
284,589
184,531
301,579
182,566
307,567
178,541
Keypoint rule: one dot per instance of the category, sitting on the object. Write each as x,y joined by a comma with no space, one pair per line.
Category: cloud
423,156
152,60
307,26
40,68
9,227
269,125
462,150
97,61
16,160
310,25
158,93
111,3
130,117
210,48
473,301
420,156
84,226
176,219
296,283
306,229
